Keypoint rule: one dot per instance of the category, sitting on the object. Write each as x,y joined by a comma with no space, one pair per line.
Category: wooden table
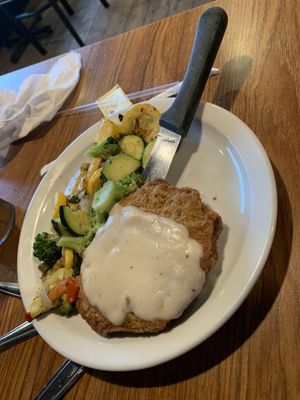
255,355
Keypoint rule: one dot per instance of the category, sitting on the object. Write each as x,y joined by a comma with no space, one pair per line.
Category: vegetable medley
113,170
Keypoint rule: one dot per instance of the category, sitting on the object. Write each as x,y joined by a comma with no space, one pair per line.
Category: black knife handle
210,30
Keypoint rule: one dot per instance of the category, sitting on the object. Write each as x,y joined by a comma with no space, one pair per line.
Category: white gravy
142,263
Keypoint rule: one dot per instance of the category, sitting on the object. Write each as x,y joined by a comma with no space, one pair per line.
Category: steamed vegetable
66,308
142,120
77,222
60,199
108,128
45,248
114,171
76,243
68,299
119,166
131,182
49,293
147,152
113,191
95,182
105,149
132,145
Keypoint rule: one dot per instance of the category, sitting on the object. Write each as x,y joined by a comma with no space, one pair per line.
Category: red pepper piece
72,290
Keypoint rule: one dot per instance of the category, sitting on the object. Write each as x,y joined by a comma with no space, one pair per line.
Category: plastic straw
132,96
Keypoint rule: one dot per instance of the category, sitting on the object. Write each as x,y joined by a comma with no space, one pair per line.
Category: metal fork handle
65,376
24,331
10,288
62,381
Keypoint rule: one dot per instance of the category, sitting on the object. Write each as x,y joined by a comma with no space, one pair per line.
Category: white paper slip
113,101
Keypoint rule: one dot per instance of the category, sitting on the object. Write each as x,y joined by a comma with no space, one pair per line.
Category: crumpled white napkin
38,99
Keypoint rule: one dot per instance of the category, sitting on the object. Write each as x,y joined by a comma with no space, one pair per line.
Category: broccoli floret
76,243
98,218
66,308
101,218
131,182
45,248
105,149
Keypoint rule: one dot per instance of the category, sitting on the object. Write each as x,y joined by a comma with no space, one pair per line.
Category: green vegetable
45,248
147,152
76,243
76,222
58,227
105,149
131,182
112,191
97,219
43,267
132,145
107,196
119,166
65,308
76,264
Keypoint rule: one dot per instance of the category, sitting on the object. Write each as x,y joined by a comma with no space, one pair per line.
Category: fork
24,331
64,378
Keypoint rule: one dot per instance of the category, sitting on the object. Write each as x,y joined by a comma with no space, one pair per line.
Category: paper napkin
38,99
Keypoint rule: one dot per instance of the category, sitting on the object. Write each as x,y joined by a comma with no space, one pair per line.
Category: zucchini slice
58,227
132,145
77,223
147,152
106,197
119,166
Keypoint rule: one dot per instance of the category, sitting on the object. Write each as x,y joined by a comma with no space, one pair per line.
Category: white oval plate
223,159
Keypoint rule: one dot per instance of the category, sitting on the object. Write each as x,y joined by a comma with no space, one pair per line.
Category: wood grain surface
255,355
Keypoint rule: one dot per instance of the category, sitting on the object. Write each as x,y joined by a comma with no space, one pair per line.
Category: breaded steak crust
104,327
182,205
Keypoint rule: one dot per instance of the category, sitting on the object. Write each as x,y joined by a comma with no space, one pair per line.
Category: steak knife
176,121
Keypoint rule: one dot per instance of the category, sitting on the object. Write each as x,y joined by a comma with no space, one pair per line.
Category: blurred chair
28,33
104,3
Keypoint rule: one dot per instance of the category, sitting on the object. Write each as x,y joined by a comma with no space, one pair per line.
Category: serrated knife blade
176,121
162,154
